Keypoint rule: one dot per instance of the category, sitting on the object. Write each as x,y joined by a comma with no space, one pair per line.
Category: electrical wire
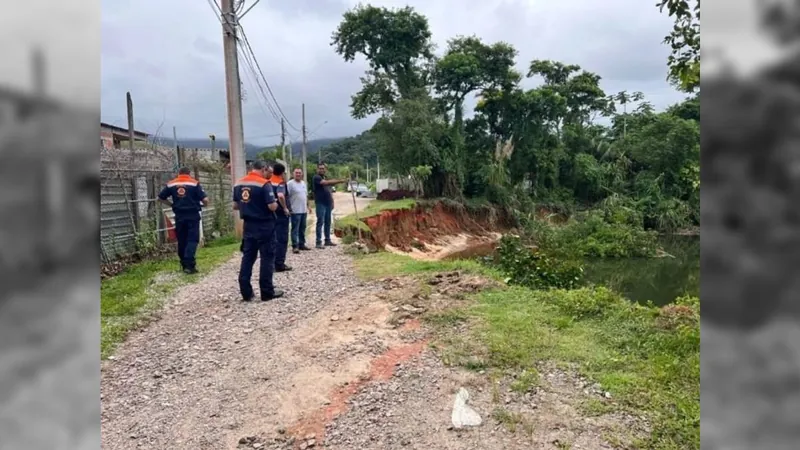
253,77
248,56
269,89
248,9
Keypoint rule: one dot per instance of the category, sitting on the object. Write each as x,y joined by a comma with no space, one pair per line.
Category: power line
248,9
272,95
252,71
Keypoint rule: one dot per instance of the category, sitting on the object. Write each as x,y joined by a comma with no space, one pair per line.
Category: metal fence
132,220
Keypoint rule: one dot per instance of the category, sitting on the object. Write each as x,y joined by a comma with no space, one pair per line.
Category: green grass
649,369
373,209
133,295
384,264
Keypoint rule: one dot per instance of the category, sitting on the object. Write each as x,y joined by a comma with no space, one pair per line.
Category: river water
659,280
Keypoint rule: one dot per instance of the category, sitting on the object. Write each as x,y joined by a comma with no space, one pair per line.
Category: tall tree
624,98
684,39
397,46
467,66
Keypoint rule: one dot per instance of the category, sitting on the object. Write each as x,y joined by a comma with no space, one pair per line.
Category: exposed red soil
408,228
381,369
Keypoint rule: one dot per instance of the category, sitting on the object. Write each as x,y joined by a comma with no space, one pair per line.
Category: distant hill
252,150
221,144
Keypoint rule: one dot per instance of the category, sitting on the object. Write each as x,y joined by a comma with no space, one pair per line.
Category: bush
596,233
395,194
535,268
588,302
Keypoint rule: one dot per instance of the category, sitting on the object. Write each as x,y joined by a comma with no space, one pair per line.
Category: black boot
277,293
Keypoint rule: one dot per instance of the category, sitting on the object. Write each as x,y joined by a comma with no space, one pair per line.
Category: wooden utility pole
39,73
283,140
233,89
214,156
305,160
130,121
175,143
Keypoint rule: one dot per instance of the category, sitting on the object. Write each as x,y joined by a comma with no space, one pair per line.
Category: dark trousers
299,230
324,215
258,238
281,239
188,233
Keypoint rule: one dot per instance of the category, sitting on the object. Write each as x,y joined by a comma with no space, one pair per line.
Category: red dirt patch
381,369
412,228
411,325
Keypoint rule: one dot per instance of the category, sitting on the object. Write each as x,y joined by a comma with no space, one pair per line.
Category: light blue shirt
298,196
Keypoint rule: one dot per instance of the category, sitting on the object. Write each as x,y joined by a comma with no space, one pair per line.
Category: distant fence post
140,199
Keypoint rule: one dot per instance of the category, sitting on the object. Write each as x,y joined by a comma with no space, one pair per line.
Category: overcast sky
169,53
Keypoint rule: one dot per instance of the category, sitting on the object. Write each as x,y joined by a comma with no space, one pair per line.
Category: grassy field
647,358
373,209
132,296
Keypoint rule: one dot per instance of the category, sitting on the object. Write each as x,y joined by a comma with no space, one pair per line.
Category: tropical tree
684,39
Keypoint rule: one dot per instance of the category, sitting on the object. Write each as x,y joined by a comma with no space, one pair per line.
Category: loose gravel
336,364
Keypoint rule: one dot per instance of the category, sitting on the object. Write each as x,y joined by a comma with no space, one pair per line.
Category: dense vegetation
619,169
543,145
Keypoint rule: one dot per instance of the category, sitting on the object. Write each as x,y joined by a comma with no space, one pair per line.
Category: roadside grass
373,209
648,359
384,264
129,298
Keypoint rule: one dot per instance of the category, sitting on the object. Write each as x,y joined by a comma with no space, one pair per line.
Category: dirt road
343,206
336,364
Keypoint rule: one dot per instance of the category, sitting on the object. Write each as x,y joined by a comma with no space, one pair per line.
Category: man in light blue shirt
298,205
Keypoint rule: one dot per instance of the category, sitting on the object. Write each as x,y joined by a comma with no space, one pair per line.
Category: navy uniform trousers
258,238
281,239
188,233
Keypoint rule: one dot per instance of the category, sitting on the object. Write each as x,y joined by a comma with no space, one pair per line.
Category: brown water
478,250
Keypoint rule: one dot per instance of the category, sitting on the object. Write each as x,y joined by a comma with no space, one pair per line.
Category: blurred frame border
49,254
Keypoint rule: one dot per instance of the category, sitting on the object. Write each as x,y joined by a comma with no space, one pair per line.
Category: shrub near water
596,233
534,267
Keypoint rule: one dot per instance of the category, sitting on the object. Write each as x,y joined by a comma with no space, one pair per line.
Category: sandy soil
460,245
336,364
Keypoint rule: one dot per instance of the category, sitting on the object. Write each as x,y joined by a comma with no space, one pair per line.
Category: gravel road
336,364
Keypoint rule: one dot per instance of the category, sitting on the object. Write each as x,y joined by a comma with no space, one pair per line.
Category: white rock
464,415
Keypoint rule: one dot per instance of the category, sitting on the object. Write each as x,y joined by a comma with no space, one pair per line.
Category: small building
112,136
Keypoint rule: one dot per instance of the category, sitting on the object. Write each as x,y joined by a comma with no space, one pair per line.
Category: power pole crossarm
233,89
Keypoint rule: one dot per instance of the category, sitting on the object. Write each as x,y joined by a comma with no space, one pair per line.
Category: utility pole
39,73
233,89
214,155
283,140
175,143
130,121
305,161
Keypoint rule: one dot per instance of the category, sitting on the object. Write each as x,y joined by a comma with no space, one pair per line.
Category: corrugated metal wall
129,209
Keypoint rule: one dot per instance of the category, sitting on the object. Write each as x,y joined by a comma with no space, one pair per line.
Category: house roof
117,129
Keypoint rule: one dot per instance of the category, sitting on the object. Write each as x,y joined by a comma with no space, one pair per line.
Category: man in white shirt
298,205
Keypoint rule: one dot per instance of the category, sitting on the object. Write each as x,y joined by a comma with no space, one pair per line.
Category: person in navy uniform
283,216
255,200
187,198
